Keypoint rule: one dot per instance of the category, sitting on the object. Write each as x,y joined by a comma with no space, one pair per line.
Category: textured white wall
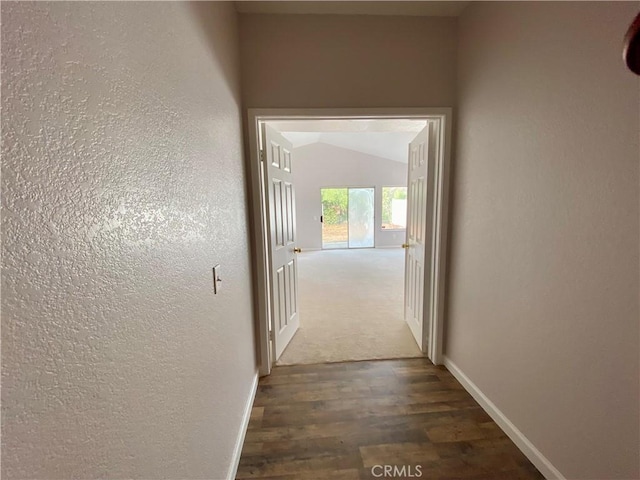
347,61
320,165
543,310
122,185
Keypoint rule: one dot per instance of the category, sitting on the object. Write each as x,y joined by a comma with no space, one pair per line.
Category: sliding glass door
361,204
347,217
335,211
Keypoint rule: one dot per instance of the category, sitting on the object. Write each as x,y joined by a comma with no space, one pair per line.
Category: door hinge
262,155
271,335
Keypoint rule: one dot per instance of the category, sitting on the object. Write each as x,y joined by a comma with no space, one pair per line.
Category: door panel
361,210
283,269
421,164
335,226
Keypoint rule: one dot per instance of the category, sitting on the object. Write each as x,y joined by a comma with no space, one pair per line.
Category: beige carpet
351,307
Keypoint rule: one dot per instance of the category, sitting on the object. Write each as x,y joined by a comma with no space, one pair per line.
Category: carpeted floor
351,307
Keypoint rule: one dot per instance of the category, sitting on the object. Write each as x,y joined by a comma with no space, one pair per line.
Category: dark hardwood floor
339,421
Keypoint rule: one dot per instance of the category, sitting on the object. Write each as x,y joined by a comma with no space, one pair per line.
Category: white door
283,271
417,272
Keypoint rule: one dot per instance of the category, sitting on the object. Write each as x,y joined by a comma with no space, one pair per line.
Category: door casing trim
434,318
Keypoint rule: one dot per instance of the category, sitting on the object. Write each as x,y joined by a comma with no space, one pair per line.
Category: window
394,208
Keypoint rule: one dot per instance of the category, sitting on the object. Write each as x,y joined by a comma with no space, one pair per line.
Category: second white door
420,195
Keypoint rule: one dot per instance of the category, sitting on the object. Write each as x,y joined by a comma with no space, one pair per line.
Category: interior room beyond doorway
349,233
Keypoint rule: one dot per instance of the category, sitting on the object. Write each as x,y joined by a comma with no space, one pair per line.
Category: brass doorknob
297,250
405,245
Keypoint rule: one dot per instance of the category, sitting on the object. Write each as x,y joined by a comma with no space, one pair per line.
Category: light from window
394,208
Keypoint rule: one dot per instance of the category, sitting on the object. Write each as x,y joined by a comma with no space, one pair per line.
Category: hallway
136,296
341,420
351,307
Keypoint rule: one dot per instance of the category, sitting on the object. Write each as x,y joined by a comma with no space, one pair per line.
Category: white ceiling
424,8
381,138
349,125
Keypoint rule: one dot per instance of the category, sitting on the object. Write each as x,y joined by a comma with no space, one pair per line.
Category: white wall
543,308
320,165
347,61
122,185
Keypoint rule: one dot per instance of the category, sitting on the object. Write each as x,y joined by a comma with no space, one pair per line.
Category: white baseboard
530,451
237,451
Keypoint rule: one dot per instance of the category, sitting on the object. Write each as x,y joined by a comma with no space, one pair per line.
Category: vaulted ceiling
381,138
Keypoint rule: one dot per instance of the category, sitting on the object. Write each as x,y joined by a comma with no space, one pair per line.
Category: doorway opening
347,217
412,212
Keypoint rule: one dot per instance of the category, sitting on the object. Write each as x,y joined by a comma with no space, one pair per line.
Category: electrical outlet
216,279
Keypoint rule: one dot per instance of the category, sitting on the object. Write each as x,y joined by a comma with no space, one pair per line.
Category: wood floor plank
301,467
255,420
456,432
338,421
348,474
398,453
